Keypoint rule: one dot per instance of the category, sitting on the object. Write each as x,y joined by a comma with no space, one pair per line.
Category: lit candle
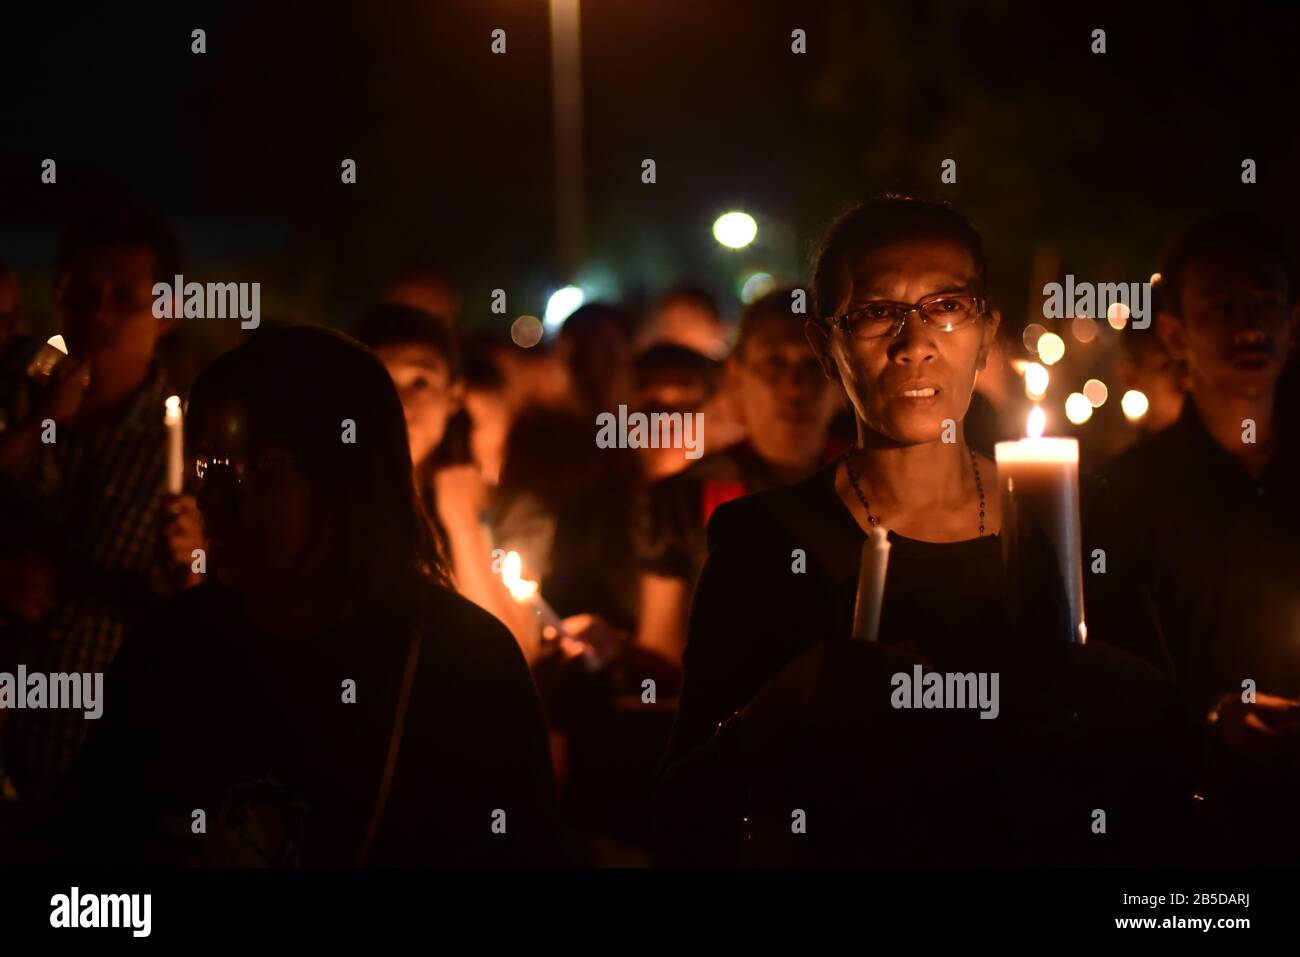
175,445
871,585
1039,478
526,592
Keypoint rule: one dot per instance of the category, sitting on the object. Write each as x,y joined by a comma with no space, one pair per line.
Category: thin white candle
871,585
172,418
1039,478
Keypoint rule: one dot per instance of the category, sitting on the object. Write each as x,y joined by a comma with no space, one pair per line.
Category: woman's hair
296,385
870,225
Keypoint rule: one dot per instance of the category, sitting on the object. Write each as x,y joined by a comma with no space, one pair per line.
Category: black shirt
204,712
1213,552
753,614
881,784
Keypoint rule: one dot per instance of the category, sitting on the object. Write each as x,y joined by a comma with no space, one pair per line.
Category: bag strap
394,747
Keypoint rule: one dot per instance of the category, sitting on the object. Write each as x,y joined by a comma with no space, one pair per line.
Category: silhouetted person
325,697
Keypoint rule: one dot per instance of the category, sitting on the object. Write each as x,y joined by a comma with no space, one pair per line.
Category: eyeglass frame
980,304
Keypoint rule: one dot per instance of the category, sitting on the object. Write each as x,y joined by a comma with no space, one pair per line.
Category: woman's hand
182,534
592,634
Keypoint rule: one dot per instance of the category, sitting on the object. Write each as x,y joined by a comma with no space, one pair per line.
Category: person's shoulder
1140,467
458,630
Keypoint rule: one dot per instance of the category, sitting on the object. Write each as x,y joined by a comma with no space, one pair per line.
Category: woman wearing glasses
789,741
324,697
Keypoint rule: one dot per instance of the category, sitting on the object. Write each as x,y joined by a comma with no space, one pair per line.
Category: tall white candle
871,585
175,444
1039,479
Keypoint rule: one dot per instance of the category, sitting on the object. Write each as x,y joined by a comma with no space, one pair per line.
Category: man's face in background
104,303
1236,327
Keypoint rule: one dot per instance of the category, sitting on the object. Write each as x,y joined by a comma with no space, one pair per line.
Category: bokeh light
1051,348
1077,408
1031,335
1036,380
561,305
1134,404
735,230
526,331
1096,392
1084,328
1117,315
756,286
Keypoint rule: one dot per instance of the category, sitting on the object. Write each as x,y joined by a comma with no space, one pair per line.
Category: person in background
488,407
1147,366
1200,524
673,379
90,541
688,316
422,357
426,289
786,405
333,701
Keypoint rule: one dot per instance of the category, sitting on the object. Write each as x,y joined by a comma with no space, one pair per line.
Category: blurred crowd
502,452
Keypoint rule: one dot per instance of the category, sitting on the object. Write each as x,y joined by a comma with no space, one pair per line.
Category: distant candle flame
1037,422
58,343
521,589
172,409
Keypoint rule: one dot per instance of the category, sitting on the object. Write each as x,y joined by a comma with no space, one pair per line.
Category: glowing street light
735,230
561,305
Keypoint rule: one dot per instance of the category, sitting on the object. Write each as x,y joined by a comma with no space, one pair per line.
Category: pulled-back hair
870,225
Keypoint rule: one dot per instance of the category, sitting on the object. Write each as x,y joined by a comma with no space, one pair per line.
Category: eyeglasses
237,470
884,318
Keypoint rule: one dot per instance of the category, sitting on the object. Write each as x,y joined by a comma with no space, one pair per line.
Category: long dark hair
297,385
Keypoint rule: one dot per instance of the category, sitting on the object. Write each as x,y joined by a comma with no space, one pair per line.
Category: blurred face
785,401
429,397
1236,329
255,504
903,387
105,307
689,325
669,394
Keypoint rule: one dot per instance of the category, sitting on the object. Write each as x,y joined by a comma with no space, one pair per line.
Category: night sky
1098,157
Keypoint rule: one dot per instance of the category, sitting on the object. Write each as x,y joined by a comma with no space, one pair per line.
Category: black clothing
1077,728
202,711
1212,550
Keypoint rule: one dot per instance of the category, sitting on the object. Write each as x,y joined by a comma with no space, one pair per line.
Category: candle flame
521,589
58,343
1037,422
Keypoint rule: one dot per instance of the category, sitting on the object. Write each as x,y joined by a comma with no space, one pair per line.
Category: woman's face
255,503
904,387
429,396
